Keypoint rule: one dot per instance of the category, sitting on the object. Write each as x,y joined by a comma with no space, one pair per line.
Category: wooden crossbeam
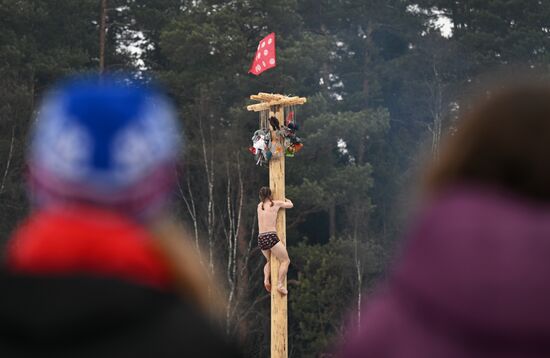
264,97
269,100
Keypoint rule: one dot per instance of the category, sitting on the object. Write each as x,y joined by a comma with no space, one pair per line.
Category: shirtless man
267,238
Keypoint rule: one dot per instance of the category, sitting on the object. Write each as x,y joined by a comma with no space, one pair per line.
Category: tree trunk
103,15
10,154
234,211
208,163
436,91
192,210
368,60
358,269
332,220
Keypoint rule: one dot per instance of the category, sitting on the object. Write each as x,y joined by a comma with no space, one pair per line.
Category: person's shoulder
173,325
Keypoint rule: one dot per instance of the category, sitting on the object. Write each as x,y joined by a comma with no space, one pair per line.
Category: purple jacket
473,281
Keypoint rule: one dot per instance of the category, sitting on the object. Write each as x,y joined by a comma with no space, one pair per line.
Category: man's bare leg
279,250
267,270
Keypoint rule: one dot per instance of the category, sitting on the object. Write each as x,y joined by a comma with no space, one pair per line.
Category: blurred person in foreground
473,279
99,269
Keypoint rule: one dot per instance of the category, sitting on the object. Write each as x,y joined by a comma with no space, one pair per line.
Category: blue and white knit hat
104,142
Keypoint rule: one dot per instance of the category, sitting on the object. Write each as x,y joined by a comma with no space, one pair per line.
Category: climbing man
268,241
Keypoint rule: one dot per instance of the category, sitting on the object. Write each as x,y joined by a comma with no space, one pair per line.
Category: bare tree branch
10,154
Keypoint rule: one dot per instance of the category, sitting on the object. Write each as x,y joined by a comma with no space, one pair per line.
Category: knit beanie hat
106,142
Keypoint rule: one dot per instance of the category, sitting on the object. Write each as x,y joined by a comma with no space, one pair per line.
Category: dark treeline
383,84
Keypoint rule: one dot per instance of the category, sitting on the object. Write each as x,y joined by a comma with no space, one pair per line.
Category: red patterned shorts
266,240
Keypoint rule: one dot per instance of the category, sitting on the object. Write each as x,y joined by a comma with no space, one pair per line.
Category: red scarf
84,240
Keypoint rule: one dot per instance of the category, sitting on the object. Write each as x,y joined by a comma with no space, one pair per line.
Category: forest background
384,83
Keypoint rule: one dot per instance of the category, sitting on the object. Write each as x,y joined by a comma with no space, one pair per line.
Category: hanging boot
274,123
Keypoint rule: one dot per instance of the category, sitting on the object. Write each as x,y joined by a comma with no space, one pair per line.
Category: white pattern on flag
265,57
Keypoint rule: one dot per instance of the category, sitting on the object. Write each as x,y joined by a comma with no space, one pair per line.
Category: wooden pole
279,326
275,103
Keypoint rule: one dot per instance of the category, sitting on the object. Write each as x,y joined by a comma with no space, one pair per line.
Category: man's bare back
267,217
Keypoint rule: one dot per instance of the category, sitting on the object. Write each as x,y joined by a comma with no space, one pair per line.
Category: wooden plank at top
287,101
267,96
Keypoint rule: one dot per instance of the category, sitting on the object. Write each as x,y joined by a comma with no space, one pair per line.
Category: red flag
265,55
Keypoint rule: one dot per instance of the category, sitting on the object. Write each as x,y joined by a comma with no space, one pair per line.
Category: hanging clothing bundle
261,141
284,140
293,143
